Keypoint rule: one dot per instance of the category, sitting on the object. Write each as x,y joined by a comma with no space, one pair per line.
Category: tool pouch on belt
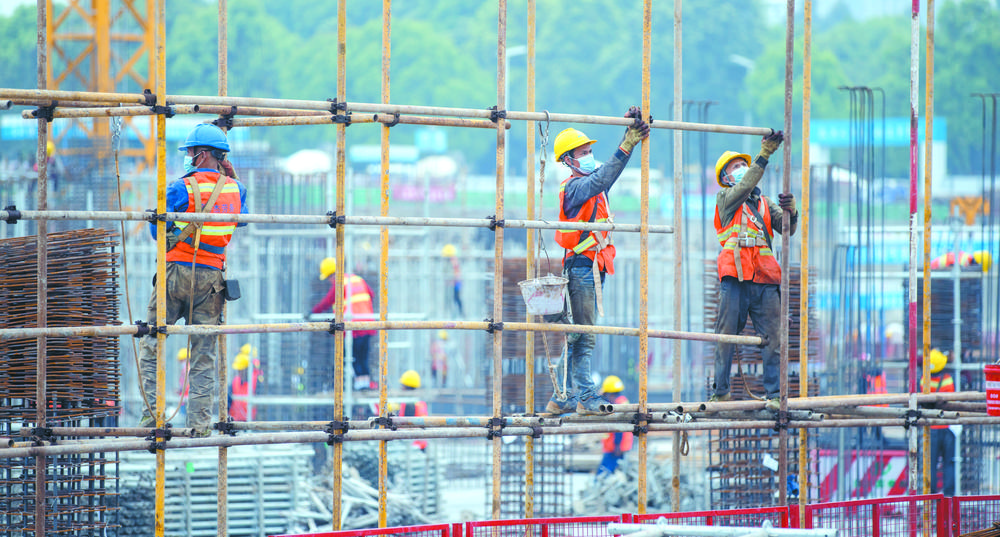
232,290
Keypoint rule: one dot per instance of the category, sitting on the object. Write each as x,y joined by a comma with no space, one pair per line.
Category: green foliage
17,48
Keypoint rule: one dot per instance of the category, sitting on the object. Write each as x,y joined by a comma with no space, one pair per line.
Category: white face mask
189,165
737,175
586,163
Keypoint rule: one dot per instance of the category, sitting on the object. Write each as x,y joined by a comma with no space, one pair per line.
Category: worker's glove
769,144
227,169
786,200
636,132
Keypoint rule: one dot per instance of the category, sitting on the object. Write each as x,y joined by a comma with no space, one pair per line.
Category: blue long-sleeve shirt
580,189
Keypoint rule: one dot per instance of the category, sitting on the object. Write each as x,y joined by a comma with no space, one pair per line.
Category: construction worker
589,256
244,384
182,384
942,439
357,307
749,274
982,258
196,257
439,358
449,252
615,445
410,380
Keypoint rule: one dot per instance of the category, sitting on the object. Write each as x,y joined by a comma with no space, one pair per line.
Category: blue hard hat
207,135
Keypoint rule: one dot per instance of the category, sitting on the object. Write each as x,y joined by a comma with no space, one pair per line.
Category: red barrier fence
930,515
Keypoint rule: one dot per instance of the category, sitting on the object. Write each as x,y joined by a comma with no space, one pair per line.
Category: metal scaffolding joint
45,112
335,220
341,118
167,111
149,96
911,417
384,422
492,326
782,419
335,327
395,120
42,434
225,121
336,429
536,431
494,223
494,427
142,328
334,105
225,427
155,216
12,214
640,417
496,114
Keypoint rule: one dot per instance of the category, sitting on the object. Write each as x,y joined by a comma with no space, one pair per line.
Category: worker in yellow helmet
439,358
358,306
589,255
615,445
942,439
244,385
979,258
410,380
747,224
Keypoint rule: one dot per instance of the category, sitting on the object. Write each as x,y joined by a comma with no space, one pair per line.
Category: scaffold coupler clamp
225,427
494,428
142,328
40,435
344,118
335,105
781,420
335,220
395,120
335,327
225,121
335,431
149,97
167,111
494,223
536,431
163,433
911,418
46,112
385,422
492,326
154,216
13,215
639,418
496,114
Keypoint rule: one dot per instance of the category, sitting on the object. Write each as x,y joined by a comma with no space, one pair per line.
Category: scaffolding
640,418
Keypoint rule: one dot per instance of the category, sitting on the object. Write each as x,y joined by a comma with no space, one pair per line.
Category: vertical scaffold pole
804,263
786,186
383,288
161,256
529,337
912,286
338,343
221,362
928,168
498,252
678,267
42,259
647,18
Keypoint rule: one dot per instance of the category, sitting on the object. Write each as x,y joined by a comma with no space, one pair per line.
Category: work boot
557,407
147,421
590,407
773,404
716,398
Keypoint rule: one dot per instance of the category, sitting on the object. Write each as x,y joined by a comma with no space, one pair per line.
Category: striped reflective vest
940,383
743,238
585,242
214,235
358,300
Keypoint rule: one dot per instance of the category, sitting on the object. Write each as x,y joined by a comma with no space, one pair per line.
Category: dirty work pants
206,301
762,302
579,347
943,447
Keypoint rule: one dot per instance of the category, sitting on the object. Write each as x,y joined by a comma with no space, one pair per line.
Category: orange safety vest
214,235
744,237
940,383
608,445
238,409
573,240
417,409
358,299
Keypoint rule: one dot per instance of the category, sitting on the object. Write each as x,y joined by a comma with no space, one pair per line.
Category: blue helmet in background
205,135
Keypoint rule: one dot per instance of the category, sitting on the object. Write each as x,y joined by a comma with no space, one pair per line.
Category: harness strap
193,227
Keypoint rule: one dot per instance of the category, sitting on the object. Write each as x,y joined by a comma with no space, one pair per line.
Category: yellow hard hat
568,140
241,362
327,267
410,379
938,360
724,160
443,334
983,258
449,250
182,354
612,384
248,350
50,148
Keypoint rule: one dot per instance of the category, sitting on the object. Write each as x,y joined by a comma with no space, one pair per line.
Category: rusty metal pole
647,18
678,246
41,157
912,286
928,158
786,186
804,263
498,255
383,298
529,337
221,362
338,343
161,259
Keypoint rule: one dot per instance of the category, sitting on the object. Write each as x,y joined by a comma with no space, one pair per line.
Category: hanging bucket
992,372
545,295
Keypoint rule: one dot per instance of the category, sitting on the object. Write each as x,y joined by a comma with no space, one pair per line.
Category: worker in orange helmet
615,445
749,273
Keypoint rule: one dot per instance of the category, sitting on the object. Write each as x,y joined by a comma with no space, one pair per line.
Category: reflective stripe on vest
757,262
214,235
574,240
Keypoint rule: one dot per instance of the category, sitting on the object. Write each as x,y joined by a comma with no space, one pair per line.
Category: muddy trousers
762,303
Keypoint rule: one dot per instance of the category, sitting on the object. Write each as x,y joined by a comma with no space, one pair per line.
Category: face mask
586,163
189,163
737,175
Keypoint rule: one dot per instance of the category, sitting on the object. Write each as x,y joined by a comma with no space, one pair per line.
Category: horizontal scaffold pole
806,403
323,219
480,113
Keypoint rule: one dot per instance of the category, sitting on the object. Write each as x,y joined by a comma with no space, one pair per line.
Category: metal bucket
545,295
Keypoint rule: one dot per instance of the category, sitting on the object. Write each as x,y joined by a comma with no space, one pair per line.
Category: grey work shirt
581,188
729,200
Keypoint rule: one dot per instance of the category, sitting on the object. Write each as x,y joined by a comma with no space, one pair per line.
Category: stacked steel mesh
740,478
82,377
